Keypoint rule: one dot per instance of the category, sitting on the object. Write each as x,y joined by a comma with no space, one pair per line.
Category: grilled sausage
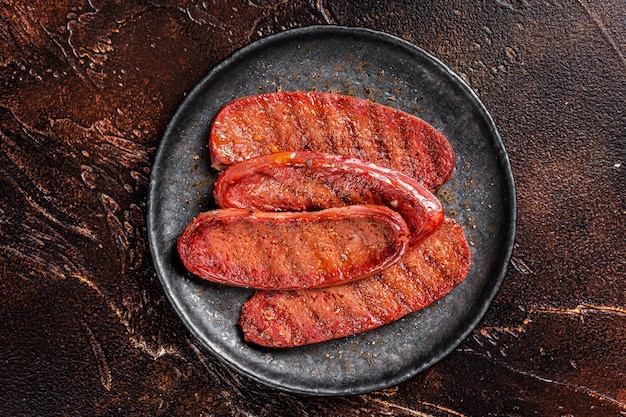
305,181
290,250
330,123
423,275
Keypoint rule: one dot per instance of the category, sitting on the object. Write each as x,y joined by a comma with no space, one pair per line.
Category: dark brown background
86,90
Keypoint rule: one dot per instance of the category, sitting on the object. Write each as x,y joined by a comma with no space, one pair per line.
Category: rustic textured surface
86,90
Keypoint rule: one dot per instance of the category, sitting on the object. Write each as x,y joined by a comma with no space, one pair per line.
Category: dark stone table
86,91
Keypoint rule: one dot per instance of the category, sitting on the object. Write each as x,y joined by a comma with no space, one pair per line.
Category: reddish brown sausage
331,123
305,181
423,275
292,250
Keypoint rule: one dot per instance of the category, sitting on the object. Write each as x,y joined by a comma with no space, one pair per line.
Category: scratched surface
86,90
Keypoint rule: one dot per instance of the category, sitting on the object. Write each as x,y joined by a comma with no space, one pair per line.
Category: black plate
366,64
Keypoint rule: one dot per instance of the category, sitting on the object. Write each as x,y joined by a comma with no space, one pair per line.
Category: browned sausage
292,250
305,181
331,123
423,275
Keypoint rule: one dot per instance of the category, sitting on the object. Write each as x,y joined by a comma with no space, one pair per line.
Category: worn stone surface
86,90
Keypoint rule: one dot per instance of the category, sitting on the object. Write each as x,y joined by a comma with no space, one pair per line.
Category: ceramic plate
367,64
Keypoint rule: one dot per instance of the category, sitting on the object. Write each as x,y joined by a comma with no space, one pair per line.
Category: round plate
367,64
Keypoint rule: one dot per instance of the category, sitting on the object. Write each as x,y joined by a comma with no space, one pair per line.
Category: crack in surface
521,266
137,342
50,222
104,370
489,337
412,412
604,30
581,388
155,354
581,310
322,7
231,378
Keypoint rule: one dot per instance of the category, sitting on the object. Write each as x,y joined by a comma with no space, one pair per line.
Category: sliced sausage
305,181
290,250
423,275
330,123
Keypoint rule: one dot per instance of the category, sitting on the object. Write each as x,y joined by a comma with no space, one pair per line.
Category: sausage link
291,250
305,181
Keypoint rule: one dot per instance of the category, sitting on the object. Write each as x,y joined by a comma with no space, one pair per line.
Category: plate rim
503,162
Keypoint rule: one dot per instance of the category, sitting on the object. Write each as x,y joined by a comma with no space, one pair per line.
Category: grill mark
356,304
323,325
407,136
369,304
286,125
297,122
343,310
410,277
308,306
283,315
358,295
346,111
314,122
282,123
340,116
330,144
391,289
439,159
378,139
269,112
439,275
430,274
433,152
386,311
461,258
355,140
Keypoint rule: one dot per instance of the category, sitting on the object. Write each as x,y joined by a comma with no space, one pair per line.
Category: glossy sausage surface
423,275
291,250
306,181
330,123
